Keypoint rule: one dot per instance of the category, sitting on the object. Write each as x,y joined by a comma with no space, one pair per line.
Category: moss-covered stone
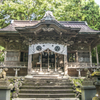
96,74
95,98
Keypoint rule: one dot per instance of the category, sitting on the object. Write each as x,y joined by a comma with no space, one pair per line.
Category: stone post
4,89
97,56
79,72
87,89
16,71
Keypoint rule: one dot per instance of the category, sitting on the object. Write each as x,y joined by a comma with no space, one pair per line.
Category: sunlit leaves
63,10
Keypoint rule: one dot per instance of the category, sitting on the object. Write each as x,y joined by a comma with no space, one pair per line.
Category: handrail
82,65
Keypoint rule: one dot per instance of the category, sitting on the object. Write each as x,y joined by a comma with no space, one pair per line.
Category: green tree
2,49
91,14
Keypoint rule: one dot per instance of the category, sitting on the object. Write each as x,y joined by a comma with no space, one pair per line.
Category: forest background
63,10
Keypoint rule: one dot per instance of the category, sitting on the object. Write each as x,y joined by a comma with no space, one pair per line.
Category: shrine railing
13,64
82,65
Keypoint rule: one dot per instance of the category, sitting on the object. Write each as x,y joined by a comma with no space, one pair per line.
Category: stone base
66,76
4,89
28,76
88,92
45,99
96,98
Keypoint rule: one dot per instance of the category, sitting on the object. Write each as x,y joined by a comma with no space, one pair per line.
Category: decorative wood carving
12,56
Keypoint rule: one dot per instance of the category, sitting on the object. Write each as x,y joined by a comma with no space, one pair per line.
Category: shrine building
48,47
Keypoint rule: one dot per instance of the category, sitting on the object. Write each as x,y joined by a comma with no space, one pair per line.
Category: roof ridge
74,22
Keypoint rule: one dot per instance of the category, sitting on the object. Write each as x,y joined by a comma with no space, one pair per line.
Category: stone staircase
44,87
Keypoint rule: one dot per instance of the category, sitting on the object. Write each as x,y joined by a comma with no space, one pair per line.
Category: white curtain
57,48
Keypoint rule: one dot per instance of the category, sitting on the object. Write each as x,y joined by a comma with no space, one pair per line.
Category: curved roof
82,25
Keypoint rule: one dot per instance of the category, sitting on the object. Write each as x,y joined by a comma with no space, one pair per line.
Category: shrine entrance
48,61
47,58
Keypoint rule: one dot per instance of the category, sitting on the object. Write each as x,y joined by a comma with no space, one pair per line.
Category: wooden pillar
41,63
90,55
65,66
55,63
5,57
97,56
48,59
29,64
76,56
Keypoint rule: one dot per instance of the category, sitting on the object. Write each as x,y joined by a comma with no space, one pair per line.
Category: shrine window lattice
12,56
84,57
24,57
72,57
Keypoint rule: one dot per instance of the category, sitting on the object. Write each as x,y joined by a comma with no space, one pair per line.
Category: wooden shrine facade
78,38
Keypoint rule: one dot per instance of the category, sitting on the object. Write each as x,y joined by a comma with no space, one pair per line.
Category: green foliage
94,54
65,10
2,53
77,82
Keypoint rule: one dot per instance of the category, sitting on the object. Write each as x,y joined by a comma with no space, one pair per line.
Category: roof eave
89,32
9,32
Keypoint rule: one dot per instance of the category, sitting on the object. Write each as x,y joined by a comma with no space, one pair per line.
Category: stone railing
82,65
13,64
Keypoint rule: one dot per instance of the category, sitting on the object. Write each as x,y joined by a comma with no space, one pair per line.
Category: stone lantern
96,74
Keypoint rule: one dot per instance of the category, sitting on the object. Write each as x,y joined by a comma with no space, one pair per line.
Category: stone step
55,91
49,95
46,87
45,99
47,80
59,77
49,83
42,79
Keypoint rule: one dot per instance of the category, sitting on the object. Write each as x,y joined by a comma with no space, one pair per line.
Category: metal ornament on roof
38,48
48,16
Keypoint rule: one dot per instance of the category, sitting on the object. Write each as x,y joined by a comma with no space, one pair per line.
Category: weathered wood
29,64
65,66
76,56
90,55
48,59
97,56
55,63
41,63
12,55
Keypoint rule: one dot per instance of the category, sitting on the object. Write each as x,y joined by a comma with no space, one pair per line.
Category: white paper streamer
33,48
